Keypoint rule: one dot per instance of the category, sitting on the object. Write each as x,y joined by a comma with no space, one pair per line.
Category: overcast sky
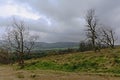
59,20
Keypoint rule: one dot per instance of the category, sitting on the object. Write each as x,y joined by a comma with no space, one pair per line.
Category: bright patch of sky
11,9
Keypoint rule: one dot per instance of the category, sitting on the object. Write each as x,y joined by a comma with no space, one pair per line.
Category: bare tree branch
20,40
91,26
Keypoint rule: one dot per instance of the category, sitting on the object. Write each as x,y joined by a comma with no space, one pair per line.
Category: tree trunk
21,61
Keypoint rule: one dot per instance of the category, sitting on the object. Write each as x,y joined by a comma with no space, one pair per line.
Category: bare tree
19,40
108,37
91,26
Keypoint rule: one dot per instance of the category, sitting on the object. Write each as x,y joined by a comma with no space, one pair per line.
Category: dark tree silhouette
19,40
92,24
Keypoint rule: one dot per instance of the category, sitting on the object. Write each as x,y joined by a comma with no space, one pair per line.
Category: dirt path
8,73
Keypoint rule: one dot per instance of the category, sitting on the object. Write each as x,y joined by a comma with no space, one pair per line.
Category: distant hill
43,45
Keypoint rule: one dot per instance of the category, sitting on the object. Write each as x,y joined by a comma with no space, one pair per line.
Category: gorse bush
5,56
12,57
85,46
88,46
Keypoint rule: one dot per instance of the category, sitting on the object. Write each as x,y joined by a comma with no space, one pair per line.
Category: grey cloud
67,17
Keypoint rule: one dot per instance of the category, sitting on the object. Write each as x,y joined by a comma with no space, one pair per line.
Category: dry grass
9,73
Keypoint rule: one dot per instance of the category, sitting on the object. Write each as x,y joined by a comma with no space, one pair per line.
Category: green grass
106,61
50,65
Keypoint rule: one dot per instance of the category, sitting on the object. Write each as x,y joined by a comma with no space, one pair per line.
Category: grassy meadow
105,61
89,65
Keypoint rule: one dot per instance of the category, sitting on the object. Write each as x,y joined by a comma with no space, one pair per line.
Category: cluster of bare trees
96,34
19,40
108,37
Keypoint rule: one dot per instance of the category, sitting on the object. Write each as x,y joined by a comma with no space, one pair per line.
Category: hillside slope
106,61
104,65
